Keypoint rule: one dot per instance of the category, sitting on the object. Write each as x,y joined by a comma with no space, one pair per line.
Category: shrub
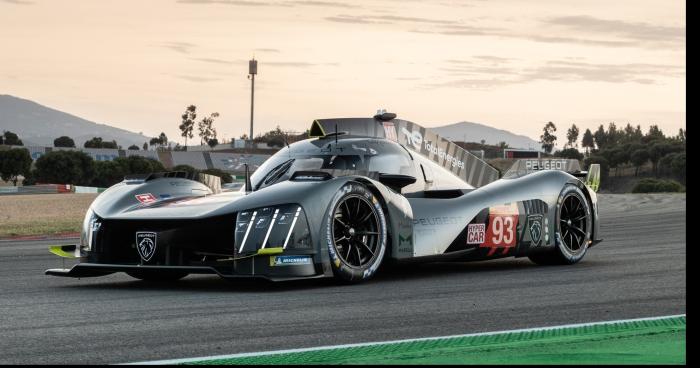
65,167
657,186
225,177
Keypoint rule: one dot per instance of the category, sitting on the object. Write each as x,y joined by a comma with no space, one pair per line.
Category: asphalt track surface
638,271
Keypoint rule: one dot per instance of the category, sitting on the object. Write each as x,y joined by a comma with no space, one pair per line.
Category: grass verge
42,214
659,341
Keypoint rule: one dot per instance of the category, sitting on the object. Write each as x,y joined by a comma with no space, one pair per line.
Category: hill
40,125
475,132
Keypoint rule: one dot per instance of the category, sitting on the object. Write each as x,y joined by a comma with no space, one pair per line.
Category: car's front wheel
356,233
574,222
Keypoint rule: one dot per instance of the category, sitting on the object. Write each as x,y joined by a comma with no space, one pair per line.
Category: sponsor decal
390,131
535,228
289,260
415,138
433,221
146,198
146,244
535,165
501,232
476,233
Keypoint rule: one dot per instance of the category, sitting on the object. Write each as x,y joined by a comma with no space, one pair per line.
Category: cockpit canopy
346,156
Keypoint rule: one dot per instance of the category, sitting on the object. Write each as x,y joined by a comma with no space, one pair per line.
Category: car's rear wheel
356,233
157,276
574,222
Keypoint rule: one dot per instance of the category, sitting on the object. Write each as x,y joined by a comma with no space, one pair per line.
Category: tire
157,276
574,221
356,233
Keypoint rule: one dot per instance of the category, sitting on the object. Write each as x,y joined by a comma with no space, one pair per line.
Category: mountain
474,132
40,125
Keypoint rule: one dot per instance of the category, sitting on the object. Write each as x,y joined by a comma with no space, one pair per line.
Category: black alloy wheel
356,231
573,223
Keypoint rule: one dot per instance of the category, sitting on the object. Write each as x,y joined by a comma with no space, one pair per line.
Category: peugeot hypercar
360,192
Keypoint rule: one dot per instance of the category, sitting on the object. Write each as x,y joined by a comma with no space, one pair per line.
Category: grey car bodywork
275,230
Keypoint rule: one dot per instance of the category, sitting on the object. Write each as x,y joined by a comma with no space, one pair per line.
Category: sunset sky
510,64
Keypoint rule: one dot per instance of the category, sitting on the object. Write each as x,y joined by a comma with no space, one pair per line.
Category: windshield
346,157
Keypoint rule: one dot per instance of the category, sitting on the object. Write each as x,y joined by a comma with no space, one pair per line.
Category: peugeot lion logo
536,229
146,244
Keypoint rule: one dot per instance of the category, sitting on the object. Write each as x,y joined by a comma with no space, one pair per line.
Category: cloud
387,19
214,61
322,3
291,3
263,63
473,74
267,50
181,47
637,31
226,2
18,2
197,79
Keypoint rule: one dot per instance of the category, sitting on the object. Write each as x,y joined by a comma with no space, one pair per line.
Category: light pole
252,71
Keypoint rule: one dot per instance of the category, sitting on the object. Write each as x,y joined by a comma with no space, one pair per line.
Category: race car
358,193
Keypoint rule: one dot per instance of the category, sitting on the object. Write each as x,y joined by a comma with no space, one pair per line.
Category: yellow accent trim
314,131
59,251
268,251
260,252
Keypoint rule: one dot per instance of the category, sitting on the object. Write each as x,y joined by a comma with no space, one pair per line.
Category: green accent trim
64,251
659,341
316,130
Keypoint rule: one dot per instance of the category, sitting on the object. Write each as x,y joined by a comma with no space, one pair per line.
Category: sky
509,64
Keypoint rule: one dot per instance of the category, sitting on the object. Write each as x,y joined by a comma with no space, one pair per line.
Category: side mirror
396,181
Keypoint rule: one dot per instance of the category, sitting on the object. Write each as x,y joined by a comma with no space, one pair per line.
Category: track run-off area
638,271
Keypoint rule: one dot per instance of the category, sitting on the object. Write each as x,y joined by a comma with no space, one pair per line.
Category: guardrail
49,189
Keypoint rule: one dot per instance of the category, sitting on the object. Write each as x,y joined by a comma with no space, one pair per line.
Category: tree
570,153
11,139
206,129
613,135
163,139
133,165
65,167
107,173
656,152
587,141
187,125
133,147
572,136
639,157
13,163
145,146
213,143
64,141
600,137
97,142
548,139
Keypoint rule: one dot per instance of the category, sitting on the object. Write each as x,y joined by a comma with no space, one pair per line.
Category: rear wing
524,167
419,140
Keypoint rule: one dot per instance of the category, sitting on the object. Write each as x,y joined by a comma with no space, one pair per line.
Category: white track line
331,347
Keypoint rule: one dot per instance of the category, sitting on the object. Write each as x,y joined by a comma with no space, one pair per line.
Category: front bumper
80,270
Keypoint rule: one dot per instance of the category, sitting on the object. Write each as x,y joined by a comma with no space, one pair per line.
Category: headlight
282,226
90,226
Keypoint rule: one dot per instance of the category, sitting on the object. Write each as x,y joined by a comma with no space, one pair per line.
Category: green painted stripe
624,342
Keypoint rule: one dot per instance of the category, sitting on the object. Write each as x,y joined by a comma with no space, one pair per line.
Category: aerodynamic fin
419,140
593,177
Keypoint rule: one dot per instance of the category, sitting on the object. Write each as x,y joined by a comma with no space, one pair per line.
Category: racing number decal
503,222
